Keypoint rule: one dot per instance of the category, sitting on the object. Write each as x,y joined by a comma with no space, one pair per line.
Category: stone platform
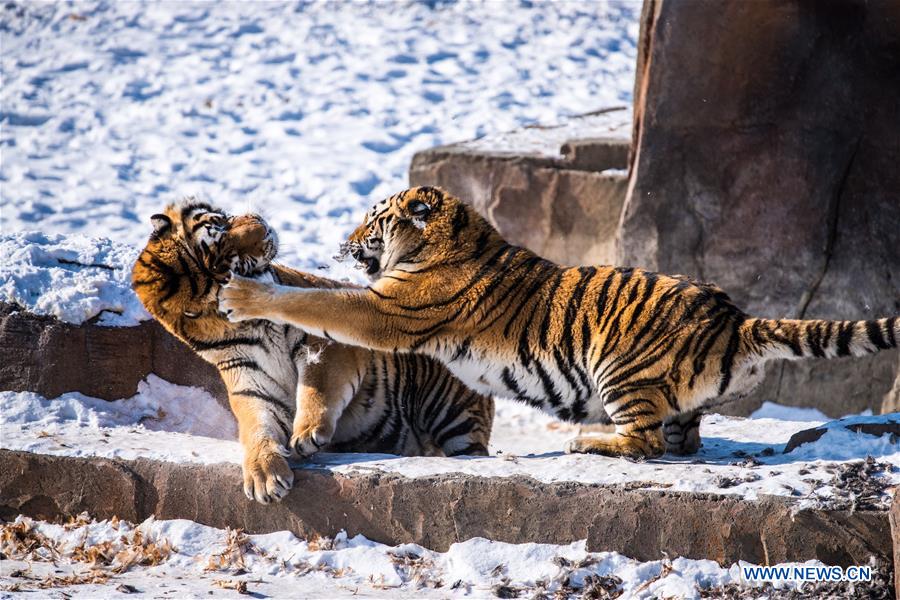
436,511
42,354
740,498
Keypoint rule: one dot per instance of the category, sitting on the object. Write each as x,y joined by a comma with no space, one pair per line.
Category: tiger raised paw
294,394
585,344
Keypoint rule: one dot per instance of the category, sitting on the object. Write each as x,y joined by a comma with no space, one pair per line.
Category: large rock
895,535
436,511
891,401
765,160
45,355
557,191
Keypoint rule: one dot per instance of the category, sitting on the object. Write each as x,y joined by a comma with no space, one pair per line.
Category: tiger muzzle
371,264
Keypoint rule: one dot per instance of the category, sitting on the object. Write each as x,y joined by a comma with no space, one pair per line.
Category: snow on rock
741,457
303,111
547,141
157,406
192,560
72,277
841,443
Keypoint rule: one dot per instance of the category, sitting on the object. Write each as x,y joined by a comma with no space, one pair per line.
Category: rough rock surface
45,355
895,535
891,401
437,511
562,207
765,161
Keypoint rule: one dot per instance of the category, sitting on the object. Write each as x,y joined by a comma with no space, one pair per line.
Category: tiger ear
160,223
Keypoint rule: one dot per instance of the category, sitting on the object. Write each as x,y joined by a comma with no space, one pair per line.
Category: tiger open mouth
370,264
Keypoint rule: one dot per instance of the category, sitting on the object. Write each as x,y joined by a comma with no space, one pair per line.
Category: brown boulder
436,511
50,357
542,188
895,536
765,161
891,401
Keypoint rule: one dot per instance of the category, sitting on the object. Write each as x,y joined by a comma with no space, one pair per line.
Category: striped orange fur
644,350
291,391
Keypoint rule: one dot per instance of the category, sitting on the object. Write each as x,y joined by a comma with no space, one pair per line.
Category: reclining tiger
290,390
581,343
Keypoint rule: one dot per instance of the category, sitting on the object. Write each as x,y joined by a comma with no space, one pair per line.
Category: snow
309,114
196,560
773,410
157,406
741,457
162,421
72,277
306,112
547,141
841,443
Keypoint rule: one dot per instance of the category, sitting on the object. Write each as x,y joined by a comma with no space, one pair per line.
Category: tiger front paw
310,437
242,299
267,476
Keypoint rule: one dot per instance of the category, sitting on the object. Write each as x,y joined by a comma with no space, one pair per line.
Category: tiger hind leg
469,431
324,390
638,418
682,433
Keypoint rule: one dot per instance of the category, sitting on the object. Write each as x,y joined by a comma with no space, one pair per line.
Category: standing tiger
286,388
581,343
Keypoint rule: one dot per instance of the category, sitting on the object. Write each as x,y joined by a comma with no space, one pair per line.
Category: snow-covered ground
307,112
88,559
188,560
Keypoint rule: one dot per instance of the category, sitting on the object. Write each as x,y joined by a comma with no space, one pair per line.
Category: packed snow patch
307,111
157,406
72,277
842,443
87,559
163,421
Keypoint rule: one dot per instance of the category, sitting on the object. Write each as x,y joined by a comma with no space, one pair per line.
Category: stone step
438,510
555,190
50,357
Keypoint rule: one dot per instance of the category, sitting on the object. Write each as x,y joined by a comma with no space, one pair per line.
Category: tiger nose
248,229
245,220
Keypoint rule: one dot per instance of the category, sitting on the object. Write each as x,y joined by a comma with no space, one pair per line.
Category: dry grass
22,541
237,546
419,571
133,548
319,542
232,584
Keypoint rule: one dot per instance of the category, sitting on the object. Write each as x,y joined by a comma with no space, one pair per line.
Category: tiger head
190,253
413,228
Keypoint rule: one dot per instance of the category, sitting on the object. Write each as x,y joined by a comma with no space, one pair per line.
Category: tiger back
644,350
